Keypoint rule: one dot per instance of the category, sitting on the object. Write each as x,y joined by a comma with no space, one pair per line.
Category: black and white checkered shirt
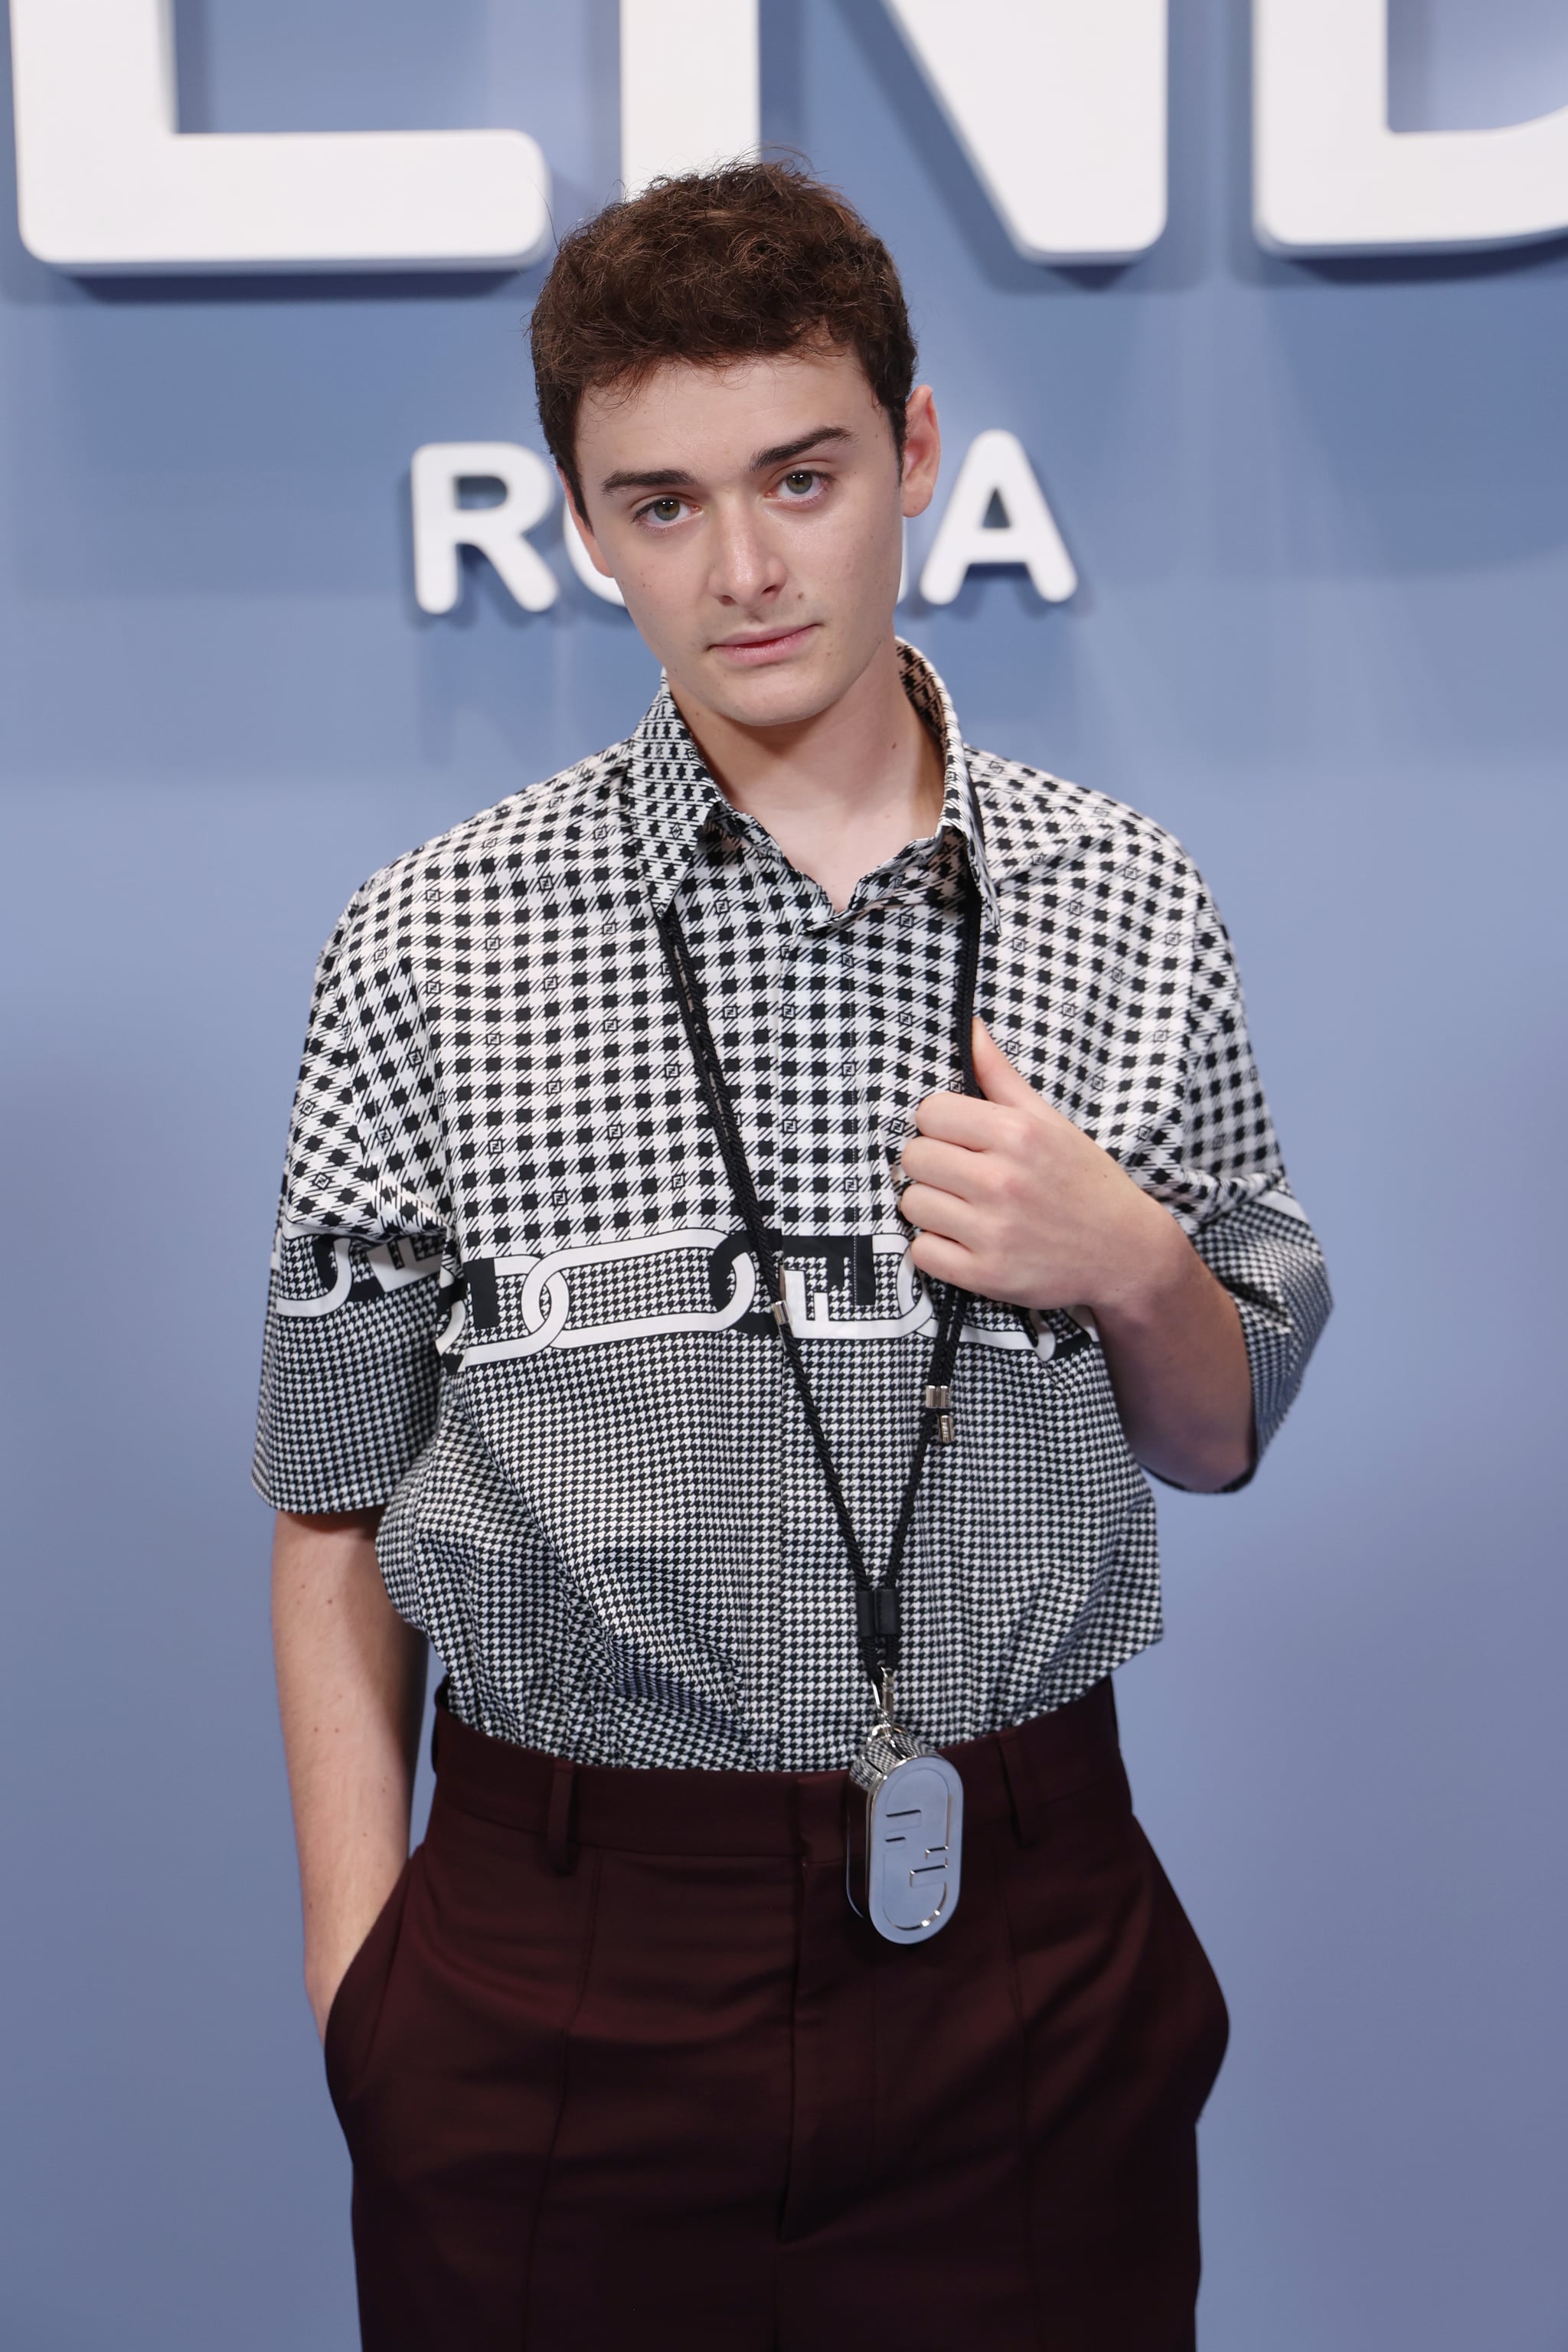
510,1299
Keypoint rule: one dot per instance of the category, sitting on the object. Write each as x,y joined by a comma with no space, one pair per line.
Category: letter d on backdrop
1331,177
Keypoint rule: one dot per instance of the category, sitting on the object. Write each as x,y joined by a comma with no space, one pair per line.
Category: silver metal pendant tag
906,1835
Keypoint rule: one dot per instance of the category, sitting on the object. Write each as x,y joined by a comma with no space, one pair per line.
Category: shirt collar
671,798
960,803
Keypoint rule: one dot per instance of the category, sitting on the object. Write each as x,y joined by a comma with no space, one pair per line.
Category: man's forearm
1178,1363
351,1690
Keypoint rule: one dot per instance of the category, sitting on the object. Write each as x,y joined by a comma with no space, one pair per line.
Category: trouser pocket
358,2003
1200,2019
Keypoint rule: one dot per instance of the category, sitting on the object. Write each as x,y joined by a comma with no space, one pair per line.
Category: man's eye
664,510
800,481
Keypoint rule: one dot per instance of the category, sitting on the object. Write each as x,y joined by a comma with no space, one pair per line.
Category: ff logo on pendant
905,1847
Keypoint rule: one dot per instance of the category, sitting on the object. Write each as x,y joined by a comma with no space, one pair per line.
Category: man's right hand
351,1692
330,1955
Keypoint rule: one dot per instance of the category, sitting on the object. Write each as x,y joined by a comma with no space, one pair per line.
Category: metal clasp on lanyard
904,1846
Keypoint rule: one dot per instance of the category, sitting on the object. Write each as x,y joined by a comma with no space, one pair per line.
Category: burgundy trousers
618,2064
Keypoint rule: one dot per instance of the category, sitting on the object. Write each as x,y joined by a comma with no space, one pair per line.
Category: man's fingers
944,1260
981,1125
960,1119
1000,1082
942,1212
947,1166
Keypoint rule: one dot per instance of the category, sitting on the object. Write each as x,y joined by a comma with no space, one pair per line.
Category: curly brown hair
713,265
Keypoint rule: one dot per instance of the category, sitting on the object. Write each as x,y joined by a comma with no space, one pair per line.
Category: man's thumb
999,1081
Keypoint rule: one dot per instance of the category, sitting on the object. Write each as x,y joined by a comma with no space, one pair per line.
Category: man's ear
922,451
582,531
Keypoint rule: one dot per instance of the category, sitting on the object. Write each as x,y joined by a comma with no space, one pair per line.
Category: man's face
752,516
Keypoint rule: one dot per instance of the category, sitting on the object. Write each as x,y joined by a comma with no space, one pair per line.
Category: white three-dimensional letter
442,524
1060,107
995,466
1331,177
690,95
106,179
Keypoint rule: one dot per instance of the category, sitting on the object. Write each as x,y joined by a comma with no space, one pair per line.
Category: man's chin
783,693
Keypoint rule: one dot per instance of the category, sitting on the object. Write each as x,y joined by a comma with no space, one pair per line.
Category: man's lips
753,653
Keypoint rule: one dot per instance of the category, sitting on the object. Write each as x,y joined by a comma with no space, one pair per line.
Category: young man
733,1351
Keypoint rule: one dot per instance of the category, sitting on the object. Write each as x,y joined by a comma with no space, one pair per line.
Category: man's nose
746,565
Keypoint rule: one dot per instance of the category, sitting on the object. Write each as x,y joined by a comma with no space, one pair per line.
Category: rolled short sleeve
1226,1183
351,1375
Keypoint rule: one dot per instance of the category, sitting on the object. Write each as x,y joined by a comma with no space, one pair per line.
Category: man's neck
840,793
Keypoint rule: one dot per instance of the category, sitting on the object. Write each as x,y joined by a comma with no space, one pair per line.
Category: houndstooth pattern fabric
511,1302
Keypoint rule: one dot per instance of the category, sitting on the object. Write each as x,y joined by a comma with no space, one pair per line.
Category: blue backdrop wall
1321,516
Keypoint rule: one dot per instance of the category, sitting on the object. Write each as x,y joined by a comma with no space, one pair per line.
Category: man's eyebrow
788,450
666,478
673,478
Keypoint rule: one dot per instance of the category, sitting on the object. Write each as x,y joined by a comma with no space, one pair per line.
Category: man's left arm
1203,1280
1017,1204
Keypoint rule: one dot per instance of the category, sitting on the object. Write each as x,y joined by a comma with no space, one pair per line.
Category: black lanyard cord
877,1606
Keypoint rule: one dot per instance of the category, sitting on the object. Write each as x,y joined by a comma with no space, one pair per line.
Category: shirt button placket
805,954
775,1704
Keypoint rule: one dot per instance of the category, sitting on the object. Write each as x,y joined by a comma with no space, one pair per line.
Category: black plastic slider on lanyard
877,1615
